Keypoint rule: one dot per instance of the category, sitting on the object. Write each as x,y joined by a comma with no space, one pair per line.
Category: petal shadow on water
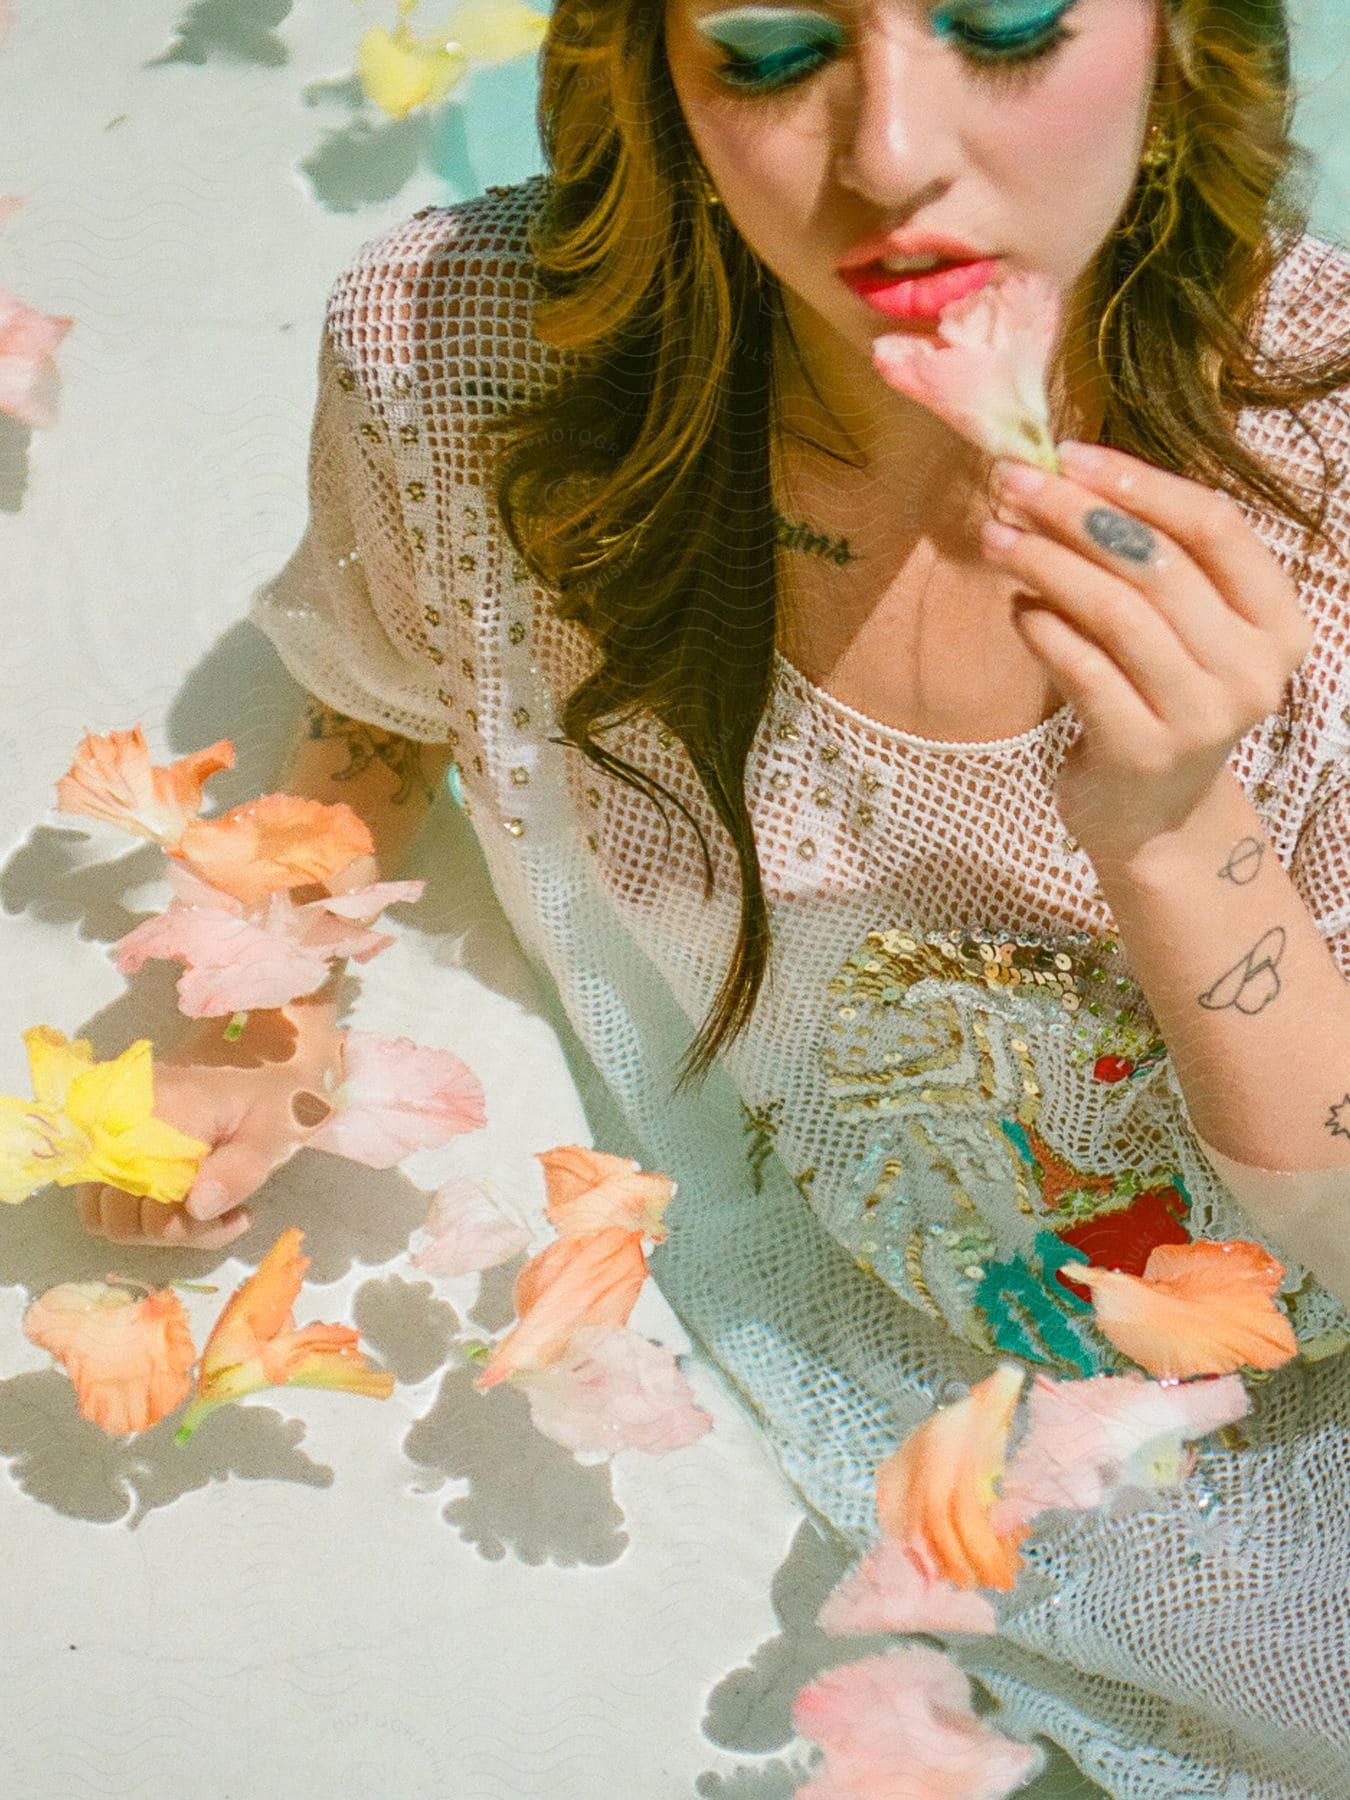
15,441
363,163
58,1458
527,1497
769,1781
236,31
405,1326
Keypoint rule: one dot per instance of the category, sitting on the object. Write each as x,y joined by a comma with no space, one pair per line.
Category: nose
897,131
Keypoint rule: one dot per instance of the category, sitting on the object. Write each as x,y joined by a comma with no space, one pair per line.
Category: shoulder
442,283
1308,305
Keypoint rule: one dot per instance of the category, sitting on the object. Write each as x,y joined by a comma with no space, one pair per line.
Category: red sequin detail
1124,1239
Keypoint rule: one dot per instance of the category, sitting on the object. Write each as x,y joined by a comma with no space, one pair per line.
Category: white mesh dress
876,1181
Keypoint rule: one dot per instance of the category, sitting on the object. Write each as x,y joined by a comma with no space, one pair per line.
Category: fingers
232,1172
131,1219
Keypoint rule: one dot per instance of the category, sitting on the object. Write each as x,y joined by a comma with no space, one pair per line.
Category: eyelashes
995,53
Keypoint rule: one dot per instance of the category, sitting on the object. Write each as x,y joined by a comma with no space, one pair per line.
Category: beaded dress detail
952,1089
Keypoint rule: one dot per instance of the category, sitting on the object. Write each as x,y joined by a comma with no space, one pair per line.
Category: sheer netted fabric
952,1071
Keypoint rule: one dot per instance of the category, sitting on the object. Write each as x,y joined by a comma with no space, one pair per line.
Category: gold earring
709,192
1158,149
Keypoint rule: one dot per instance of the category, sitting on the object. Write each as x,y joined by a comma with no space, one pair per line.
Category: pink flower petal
612,1390
986,374
469,1232
28,377
232,965
896,1587
1087,1439
397,1097
902,1727
365,904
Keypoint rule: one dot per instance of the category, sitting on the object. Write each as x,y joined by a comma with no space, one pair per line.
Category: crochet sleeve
344,614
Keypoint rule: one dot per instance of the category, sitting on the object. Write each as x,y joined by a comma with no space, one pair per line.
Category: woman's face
824,123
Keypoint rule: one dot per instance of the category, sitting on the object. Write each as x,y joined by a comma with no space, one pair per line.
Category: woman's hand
254,1100
1164,620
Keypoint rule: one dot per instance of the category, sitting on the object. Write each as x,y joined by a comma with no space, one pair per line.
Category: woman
905,1106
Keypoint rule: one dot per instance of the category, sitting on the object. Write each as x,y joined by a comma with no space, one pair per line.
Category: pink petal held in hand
29,378
255,1343
896,1587
986,374
1087,1439
590,1189
130,1359
939,1485
613,1389
277,841
1198,1309
397,1097
113,779
902,1727
468,1232
593,1280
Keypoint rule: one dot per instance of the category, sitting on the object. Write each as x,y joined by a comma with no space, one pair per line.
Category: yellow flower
91,1121
401,70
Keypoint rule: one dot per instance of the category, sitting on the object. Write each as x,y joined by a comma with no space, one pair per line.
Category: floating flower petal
1198,1309
896,1587
400,72
277,841
592,1280
613,1389
939,1485
130,1358
397,1097
112,778
255,1343
902,1727
29,378
1087,1440
468,1232
590,1189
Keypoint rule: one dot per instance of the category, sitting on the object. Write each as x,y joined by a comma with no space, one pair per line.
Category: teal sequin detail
1016,1303
1054,1252
452,781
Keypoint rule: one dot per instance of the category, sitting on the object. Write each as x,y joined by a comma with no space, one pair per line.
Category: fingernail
207,1198
1078,458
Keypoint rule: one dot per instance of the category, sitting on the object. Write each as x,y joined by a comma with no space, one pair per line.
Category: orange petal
939,1485
259,1308
592,1280
1198,1309
112,778
278,841
590,1189
130,1359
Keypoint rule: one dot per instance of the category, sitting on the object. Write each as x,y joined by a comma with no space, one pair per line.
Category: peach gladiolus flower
112,778
613,1389
255,1343
91,1121
590,1189
29,378
277,841
1198,1309
939,1485
896,1587
902,1727
130,1359
986,374
592,1280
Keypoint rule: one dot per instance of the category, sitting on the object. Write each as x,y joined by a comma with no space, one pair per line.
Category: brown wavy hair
655,528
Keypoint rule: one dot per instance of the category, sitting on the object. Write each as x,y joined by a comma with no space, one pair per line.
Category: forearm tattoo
1254,981
367,744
